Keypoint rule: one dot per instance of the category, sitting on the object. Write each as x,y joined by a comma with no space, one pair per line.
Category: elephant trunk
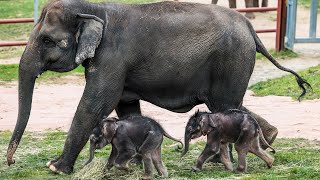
92,149
27,76
186,144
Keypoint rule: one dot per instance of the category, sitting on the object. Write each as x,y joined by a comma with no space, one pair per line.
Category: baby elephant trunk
92,149
186,144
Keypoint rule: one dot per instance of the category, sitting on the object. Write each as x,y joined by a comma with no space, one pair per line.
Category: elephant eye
48,42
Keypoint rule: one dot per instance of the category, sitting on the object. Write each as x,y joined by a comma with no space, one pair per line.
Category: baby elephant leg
147,165
258,151
242,147
210,150
123,158
112,158
224,156
151,143
157,162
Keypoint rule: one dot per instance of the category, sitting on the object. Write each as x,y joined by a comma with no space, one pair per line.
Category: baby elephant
130,136
231,126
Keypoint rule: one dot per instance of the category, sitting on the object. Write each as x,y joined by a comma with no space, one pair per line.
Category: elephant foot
196,169
122,167
250,15
270,163
59,167
240,170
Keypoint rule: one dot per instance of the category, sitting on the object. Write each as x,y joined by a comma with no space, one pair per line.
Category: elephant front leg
94,103
209,150
225,157
123,158
81,127
112,158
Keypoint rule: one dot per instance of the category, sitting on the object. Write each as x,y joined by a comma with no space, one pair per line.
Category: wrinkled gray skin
249,4
231,126
131,136
174,55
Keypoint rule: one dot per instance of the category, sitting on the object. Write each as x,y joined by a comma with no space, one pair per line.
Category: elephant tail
172,138
261,136
264,140
262,49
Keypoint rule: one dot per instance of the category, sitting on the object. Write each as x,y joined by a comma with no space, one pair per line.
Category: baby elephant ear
109,129
90,36
206,124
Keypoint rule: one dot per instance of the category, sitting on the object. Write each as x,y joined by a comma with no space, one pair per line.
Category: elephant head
102,135
60,41
200,124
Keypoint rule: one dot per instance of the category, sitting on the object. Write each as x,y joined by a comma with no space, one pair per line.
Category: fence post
35,11
281,24
313,18
291,24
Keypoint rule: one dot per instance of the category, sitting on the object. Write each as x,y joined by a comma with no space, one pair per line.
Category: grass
287,86
307,3
10,73
287,54
295,158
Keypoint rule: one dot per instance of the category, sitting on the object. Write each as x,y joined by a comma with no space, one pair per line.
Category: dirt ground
54,105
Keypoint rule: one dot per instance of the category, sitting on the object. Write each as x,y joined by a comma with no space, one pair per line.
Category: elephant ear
206,124
90,34
109,128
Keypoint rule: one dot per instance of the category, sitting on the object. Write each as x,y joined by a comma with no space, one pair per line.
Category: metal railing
281,22
20,20
292,24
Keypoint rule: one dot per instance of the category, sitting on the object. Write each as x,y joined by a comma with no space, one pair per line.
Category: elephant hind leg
258,151
269,132
158,163
147,165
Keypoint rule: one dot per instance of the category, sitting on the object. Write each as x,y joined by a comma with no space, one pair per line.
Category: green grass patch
307,4
287,85
10,73
295,158
287,54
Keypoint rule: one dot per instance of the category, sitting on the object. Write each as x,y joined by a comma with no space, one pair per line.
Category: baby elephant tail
174,139
264,140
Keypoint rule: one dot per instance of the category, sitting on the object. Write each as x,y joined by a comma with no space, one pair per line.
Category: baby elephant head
200,124
102,135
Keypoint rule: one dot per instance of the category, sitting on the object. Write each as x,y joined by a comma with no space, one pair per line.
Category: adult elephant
174,55
249,4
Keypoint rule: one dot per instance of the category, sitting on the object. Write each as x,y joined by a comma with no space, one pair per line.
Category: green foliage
287,85
307,3
10,73
287,54
295,158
